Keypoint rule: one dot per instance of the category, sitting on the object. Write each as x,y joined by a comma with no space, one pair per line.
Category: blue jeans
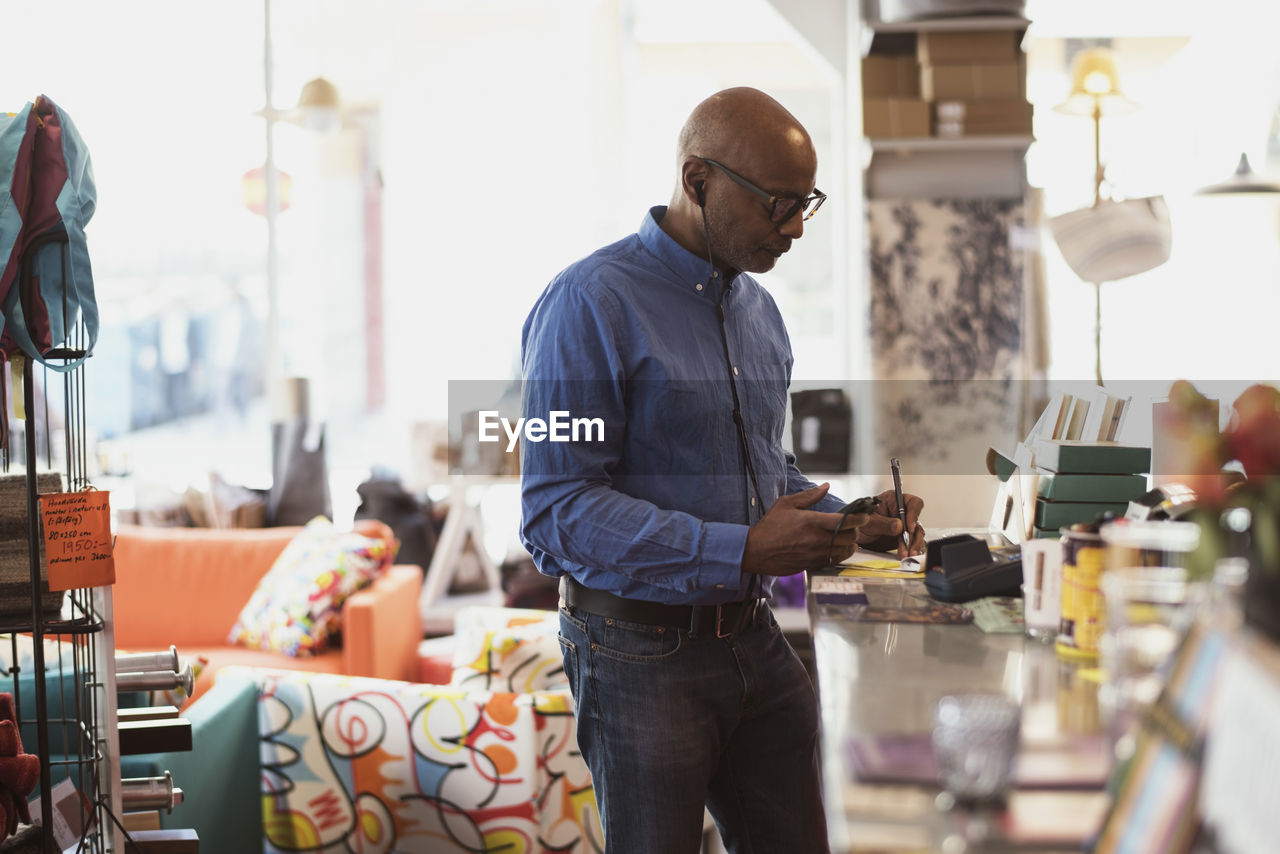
669,722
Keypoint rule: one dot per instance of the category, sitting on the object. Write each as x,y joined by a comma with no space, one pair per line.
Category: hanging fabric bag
47,200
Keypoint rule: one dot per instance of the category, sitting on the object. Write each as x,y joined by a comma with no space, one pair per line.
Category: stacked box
1091,487
958,46
892,75
1078,481
1062,456
1004,116
895,117
975,81
891,102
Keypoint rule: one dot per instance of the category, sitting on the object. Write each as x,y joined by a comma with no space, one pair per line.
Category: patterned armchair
488,763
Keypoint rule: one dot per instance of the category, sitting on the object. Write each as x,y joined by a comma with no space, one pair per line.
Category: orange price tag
77,539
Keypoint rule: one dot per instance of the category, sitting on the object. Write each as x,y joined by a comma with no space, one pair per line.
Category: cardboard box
973,81
981,117
890,75
1092,457
895,117
939,48
1091,487
1059,514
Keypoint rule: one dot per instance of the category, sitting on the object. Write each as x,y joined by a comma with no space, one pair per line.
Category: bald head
736,123
738,152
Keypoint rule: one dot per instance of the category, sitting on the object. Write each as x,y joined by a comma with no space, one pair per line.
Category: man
667,529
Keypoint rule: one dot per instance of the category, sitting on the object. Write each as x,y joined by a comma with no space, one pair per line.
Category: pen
895,468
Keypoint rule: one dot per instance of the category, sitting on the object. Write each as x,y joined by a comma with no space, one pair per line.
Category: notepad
865,559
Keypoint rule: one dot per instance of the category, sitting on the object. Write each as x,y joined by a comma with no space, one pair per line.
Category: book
1092,457
1079,413
1105,417
1113,420
1053,418
1062,417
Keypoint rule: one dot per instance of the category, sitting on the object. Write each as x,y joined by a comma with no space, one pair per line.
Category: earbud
699,190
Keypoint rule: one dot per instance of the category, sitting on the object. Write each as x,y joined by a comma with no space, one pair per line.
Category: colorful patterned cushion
297,606
508,649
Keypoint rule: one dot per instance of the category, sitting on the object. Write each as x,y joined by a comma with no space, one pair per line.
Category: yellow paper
883,563
855,572
872,563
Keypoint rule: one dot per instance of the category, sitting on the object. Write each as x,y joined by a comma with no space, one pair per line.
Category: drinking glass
1041,588
975,741
1146,599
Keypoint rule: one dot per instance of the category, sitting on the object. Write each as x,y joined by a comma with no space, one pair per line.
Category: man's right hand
791,538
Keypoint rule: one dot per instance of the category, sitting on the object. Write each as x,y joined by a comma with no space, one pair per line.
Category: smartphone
861,505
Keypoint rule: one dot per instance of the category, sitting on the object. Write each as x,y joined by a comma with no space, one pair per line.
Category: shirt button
753,502
719,586
698,286
715,274
735,370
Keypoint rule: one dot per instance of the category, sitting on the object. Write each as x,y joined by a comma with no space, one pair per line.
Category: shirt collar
689,269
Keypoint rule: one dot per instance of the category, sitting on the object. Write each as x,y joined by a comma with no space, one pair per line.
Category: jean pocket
636,642
574,619
569,657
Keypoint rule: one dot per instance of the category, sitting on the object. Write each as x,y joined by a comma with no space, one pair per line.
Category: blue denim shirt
658,509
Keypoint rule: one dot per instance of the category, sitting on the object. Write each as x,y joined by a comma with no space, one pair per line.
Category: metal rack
73,710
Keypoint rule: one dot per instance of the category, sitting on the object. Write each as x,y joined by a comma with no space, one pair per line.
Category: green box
1056,514
1091,487
1091,457
1046,533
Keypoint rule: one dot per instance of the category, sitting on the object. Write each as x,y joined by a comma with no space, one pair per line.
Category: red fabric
19,772
38,177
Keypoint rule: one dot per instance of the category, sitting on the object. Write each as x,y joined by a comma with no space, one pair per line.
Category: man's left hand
883,531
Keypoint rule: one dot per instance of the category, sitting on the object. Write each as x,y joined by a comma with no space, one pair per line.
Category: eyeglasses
781,208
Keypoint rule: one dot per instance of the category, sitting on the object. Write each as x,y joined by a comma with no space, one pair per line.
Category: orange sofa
186,587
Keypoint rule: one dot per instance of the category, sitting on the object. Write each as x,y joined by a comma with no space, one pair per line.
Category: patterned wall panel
945,327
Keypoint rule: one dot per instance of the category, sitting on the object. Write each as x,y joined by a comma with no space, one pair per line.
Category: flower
1251,441
1197,449
1253,436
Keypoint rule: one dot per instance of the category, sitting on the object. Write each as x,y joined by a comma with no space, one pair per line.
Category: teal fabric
219,776
61,711
13,132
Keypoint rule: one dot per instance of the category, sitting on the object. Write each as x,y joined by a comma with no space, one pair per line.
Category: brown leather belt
728,619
